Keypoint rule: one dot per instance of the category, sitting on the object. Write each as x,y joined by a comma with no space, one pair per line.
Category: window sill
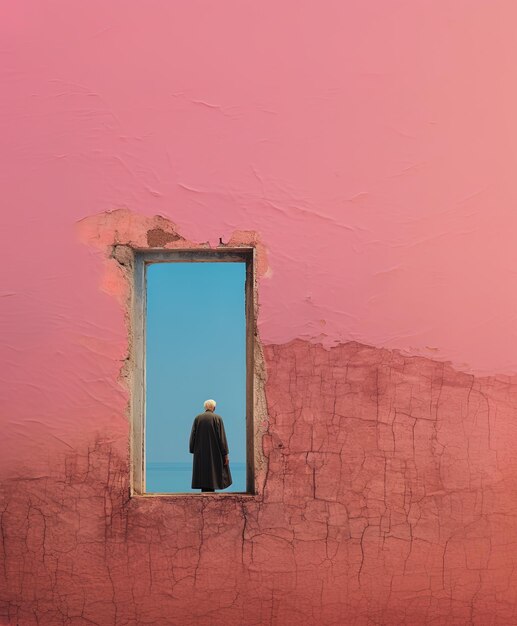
237,495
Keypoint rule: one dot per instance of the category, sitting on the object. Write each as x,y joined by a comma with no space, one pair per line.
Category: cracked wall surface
388,498
366,150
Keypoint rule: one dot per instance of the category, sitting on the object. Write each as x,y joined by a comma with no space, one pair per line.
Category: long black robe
209,446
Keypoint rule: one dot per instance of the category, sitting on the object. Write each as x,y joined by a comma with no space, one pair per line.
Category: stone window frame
141,259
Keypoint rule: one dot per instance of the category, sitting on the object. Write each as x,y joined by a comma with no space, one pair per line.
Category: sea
177,478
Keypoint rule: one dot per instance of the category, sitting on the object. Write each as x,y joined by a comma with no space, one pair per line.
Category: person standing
208,444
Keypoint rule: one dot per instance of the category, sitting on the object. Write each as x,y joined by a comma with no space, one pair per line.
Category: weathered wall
368,150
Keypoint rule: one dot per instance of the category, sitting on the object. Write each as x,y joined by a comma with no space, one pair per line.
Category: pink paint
367,150
371,146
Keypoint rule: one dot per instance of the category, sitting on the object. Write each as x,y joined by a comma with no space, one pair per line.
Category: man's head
209,405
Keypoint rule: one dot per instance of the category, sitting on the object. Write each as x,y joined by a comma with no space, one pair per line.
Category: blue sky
195,350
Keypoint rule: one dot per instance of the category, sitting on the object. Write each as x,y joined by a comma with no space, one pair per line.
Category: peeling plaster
122,227
118,234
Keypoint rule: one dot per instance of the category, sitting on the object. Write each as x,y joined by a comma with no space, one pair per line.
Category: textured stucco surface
367,150
389,498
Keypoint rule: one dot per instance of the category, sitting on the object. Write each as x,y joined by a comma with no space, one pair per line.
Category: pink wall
369,148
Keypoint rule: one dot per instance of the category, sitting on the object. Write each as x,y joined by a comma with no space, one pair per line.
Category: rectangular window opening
193,341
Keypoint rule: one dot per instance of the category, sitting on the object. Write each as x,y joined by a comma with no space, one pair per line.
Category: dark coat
209,446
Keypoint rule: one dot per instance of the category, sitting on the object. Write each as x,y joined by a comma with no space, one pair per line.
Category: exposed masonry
388,496
157,238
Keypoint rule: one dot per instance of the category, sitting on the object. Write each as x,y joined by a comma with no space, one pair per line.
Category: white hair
209,405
